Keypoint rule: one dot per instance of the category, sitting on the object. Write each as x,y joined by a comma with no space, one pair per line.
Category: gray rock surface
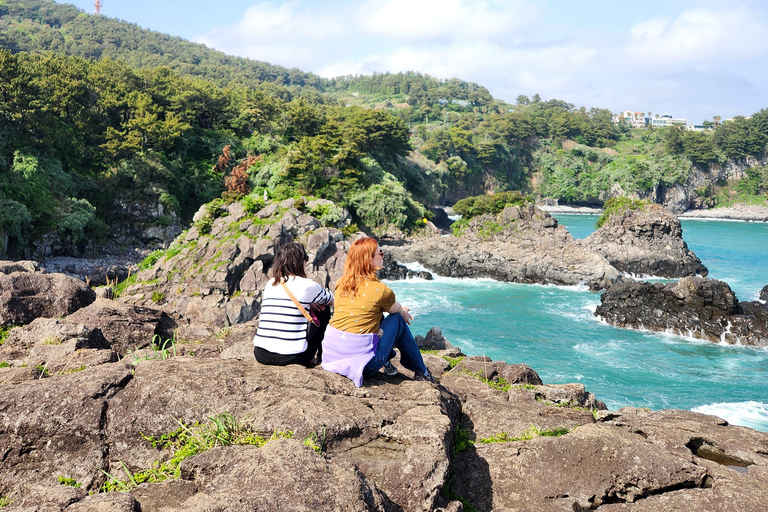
434,340
646,241
521,244
126,327
764,294
25,296
694,306
216,279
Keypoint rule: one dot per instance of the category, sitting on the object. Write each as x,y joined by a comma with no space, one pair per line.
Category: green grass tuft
71,482
187,441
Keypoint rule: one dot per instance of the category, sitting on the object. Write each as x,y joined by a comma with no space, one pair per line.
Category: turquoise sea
553,330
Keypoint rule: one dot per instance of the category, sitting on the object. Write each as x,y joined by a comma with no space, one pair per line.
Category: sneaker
390,369
424,377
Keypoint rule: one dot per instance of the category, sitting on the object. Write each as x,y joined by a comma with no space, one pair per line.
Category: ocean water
553,329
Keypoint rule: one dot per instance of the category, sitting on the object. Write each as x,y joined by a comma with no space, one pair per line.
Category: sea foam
747,414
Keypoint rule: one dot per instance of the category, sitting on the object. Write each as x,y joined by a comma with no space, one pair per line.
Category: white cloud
445,19
699,35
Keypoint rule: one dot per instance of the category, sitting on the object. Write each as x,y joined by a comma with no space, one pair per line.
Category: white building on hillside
639,120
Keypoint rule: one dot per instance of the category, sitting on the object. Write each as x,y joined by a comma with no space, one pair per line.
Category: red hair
358,268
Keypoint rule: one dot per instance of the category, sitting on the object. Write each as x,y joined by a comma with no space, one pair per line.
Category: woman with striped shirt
281,337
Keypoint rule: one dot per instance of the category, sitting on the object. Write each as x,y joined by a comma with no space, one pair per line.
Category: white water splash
747,414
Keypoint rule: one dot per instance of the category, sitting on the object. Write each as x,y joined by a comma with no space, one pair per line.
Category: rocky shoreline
89,397
737,212
96,395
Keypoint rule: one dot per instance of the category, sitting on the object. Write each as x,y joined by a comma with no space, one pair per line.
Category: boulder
8,267
25,296
581,470
694,306
126,327
646,241
267,478
434,340
764,294
522,244
55,346
56,427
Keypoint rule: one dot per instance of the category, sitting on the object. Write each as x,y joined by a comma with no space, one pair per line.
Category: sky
689,58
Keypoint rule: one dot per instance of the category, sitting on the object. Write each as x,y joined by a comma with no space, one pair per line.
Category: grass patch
461,442
4,501
43,370
72,370
161,349
500,383
71,482
454,361
4,332
616,205
52,340
4,364
531,433
158,296
187,441
151,259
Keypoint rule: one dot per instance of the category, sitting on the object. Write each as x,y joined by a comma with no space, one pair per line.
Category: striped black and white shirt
282,327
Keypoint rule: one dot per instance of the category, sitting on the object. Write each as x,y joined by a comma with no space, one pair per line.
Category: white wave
647,277
715,219
415,266
748,414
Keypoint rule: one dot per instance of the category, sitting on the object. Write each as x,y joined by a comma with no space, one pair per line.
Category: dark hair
289,261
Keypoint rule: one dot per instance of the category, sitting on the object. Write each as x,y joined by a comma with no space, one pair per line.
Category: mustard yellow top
362,314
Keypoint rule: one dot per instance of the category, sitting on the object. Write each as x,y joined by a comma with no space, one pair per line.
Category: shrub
493,204
327,214
75,217
616,205
151,259
252,204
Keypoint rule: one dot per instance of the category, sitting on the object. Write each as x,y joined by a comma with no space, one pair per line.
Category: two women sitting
359,340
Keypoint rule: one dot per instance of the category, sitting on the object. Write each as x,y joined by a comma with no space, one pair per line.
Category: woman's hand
404,311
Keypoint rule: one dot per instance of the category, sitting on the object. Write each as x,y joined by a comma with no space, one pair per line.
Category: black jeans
314,346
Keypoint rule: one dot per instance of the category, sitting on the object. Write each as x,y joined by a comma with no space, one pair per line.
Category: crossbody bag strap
298,304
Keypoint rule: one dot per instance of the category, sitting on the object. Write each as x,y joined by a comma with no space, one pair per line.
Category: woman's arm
399,308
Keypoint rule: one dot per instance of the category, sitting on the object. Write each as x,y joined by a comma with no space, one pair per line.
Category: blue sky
688,58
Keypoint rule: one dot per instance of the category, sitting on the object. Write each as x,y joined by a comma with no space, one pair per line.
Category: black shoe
390,369
419,376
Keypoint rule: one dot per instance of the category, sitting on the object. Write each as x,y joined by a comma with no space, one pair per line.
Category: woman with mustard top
359,340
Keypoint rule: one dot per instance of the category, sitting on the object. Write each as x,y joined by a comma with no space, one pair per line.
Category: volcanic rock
646,241
694,306
522,244
25,296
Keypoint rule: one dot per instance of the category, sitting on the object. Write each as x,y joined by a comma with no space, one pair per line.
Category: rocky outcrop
434,340
697,307
217,278
393,271
25,296
522,244
764,294
646,241
491,433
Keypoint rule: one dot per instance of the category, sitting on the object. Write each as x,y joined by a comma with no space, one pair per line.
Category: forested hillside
95,110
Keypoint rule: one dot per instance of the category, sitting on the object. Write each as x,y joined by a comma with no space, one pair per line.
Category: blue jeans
396,334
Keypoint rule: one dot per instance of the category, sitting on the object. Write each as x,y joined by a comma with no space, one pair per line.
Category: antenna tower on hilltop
97,6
